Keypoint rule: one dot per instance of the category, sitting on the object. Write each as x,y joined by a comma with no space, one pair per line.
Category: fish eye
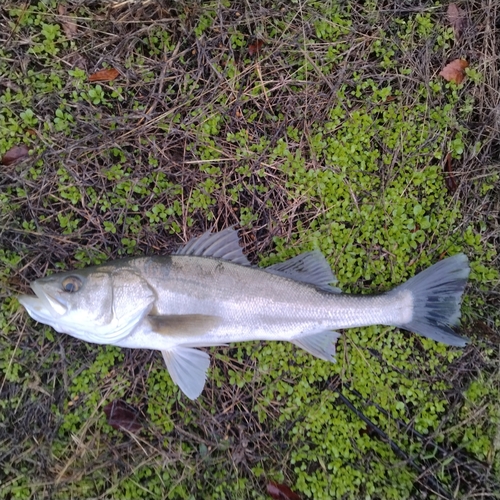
71,284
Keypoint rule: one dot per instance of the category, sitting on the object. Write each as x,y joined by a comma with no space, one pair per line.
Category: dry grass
188,85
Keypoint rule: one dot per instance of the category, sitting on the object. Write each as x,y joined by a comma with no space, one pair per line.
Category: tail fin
436,296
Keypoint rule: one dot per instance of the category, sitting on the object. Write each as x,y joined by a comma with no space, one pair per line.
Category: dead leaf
281,492
70,28
456,17
486,332
254,49
449,180
9,85
122,416
76,60
14,154
104,75
455,71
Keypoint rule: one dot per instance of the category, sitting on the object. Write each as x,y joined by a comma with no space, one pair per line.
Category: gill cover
132,300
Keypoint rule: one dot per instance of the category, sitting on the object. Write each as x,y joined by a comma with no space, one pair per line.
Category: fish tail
436,294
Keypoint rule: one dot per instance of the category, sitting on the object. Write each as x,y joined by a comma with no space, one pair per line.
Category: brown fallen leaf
281,492
456,18
70,28
104,75
9,85
449,180
486,332
122,416
14,154
77,60
254,48
454,71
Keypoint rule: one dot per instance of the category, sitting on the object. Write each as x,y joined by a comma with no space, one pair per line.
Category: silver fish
208,294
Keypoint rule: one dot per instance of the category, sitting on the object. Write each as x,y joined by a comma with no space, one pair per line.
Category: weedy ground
311,124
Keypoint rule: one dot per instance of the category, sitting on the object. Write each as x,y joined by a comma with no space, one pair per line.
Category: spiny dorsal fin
182,325
308,267
223,245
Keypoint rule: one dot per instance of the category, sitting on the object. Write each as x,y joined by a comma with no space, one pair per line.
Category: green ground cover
310,124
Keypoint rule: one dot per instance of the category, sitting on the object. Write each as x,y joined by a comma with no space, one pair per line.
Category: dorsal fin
223,245
308,267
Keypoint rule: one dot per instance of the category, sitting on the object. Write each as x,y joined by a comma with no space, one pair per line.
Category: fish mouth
42,306
35,307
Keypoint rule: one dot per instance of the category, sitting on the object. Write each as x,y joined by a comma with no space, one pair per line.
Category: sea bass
208,294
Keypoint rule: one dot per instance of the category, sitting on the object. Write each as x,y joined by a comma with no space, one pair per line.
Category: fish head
97,304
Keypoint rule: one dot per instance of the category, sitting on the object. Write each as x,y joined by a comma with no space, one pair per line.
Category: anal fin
188,369
321,344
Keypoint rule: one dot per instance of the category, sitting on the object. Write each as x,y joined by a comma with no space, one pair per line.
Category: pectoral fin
321,344
184,325
188,369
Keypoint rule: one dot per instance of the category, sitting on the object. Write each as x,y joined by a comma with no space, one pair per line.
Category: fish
208,294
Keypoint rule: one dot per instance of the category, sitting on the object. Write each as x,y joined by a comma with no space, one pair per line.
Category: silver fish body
208,294
248,303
